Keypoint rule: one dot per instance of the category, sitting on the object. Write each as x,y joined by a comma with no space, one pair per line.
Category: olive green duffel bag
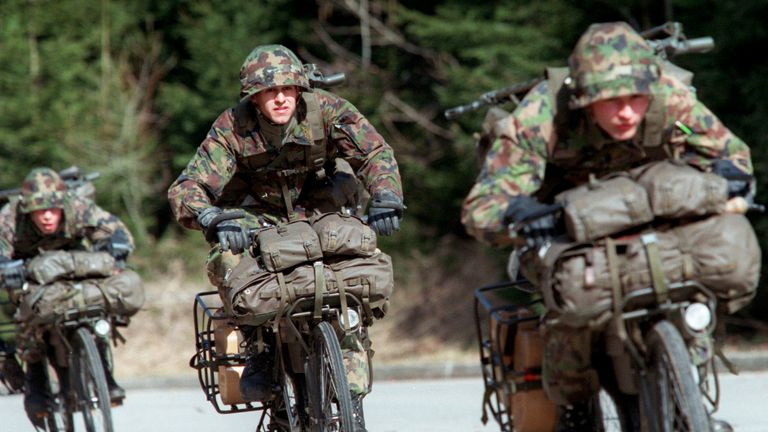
343,234
288,245
55,265
253,296
120,294
604,207
677,190
720,252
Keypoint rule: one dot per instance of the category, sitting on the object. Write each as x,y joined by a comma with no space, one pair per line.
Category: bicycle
312,392
79,383
657,371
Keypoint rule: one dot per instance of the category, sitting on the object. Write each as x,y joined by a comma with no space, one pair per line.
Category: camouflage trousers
355,347
567,372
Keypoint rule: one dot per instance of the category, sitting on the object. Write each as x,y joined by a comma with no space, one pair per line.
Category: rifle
319,80
73,178
675,43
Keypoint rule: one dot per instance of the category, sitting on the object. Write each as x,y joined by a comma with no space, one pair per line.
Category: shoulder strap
315,153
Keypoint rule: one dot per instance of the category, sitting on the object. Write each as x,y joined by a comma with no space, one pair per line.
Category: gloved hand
385,212
13,271
739,182
232,236
205,217
536,230
117,245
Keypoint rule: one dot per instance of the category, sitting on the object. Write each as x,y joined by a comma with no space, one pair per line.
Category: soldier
284,152
46,217
615,109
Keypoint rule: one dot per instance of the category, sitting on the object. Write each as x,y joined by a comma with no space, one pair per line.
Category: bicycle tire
678,403
330,399
91,389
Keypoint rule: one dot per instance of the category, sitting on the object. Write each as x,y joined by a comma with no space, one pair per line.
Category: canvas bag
720,252
55,265
253,296
676,190
120,294
604,207
288,245
343,234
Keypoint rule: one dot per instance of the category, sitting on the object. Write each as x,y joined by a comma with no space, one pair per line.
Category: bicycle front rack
207,361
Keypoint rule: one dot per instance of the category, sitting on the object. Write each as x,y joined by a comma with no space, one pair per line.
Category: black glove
13,271
230,234
385,212
739,182
536,224
205,217
117,245
233,236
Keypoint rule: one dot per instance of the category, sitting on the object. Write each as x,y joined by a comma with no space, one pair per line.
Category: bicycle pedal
117,402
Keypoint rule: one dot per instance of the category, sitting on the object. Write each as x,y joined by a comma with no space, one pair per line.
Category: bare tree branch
414,115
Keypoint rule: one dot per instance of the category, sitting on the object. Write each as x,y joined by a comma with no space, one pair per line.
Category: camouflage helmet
42,189
270,66
611,60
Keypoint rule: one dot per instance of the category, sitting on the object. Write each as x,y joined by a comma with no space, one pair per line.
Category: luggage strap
319,288
651,243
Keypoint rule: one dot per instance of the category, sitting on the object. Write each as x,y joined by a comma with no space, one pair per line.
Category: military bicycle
311,391
76,371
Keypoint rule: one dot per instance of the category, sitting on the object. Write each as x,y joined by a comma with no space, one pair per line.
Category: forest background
129,89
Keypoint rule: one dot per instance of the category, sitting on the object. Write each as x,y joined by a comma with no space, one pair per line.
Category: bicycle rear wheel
90,383
329,395
676,397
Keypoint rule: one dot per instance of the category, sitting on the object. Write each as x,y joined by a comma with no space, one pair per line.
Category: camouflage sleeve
96,223
358,142
204,178
514,165
704,135
7,230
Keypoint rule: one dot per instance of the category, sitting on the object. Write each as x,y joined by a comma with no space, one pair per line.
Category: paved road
394,406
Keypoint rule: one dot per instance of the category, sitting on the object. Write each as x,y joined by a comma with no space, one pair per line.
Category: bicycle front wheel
329,394
91,383
676,395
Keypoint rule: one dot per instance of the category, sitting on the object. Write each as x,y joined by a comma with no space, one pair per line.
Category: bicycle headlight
698,316
101,327
353,318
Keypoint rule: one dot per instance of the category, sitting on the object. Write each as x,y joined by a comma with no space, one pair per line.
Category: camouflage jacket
532,157
229,167
83,224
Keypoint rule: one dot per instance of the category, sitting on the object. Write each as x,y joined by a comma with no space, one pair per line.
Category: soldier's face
277,103
620,117
47,220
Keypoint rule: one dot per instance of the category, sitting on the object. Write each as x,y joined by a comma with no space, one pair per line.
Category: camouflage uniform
83,225
245,162
550,144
